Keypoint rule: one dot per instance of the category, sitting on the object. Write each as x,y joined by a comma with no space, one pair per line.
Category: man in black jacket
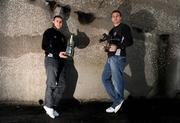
54,45
119,38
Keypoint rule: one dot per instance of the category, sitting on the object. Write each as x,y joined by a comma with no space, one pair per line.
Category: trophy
70,47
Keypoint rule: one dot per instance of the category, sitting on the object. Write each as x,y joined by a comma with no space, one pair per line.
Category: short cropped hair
116,11
56,16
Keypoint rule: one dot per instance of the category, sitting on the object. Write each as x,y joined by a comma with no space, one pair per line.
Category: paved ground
132,111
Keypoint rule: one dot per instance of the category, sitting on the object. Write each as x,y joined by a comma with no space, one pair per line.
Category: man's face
57,22
116,18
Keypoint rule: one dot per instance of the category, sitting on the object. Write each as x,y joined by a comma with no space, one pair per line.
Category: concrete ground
132,111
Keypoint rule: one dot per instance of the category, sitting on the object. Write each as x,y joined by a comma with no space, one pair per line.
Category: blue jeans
112,78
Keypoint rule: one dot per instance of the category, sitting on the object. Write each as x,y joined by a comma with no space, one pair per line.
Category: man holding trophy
118,39
56,52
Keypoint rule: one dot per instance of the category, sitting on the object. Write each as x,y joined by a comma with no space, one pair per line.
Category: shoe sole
120,105
50,116
109,111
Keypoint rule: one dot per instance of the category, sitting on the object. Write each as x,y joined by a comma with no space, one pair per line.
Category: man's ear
53,22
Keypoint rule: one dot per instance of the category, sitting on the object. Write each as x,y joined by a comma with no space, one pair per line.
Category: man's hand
112,48
62,55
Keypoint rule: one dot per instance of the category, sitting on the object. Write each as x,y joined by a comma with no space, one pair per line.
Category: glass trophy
70,47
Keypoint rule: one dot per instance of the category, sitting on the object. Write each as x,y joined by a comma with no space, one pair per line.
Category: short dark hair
56,16
116,11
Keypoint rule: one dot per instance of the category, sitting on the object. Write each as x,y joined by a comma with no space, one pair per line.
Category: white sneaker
110,110
49,111
56,114
118,106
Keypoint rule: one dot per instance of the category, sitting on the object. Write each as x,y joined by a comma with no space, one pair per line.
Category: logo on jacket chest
55,36
115,33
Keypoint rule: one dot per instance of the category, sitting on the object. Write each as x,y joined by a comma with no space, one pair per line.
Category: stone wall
153,61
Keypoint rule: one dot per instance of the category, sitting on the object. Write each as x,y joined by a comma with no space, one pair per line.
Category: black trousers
55,83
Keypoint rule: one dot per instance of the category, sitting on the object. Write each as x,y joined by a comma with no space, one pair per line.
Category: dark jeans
55,81
112,78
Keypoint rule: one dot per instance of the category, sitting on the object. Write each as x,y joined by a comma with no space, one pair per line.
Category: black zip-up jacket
53,42
122,37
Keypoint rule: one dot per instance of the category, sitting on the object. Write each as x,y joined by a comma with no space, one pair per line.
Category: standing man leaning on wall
54,45
118,39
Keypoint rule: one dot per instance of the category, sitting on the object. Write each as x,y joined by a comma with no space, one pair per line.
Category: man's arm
126,34
46,42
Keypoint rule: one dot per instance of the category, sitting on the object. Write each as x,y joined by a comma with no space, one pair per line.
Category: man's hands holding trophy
69,53
108,47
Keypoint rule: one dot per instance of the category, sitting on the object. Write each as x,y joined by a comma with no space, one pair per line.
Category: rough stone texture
22,23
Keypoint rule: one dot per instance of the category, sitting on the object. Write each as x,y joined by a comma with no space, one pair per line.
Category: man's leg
48,97
51,66
60,87
106,79
117,64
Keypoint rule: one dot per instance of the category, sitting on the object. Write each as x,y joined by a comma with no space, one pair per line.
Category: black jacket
53,41
122,37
